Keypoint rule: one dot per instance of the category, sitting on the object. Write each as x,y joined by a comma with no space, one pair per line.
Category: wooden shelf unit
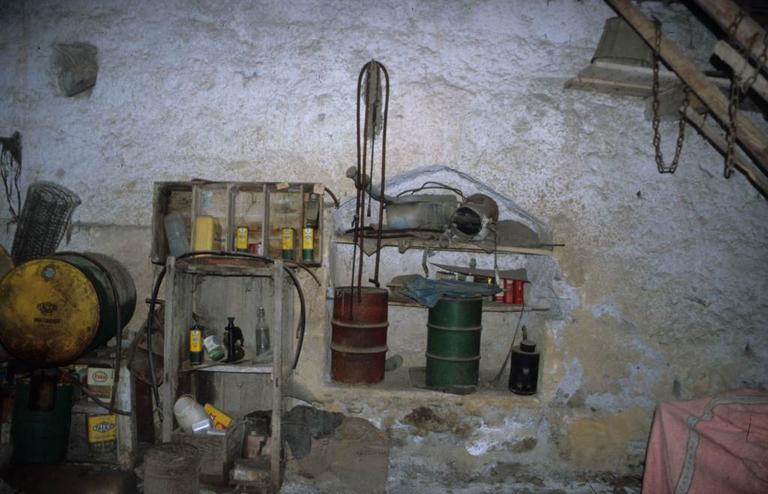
417,243
265,207
213,293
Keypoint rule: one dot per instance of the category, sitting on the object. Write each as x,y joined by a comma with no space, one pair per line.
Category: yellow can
287,242
102,433
308,244
241,239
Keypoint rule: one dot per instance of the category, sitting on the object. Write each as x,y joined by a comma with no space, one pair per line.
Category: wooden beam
717,139
741,67
749,34
747,133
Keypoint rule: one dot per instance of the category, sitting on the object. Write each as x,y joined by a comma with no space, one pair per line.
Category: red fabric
731,455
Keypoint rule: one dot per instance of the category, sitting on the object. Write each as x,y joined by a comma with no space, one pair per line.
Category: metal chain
660,165
733,101
739,88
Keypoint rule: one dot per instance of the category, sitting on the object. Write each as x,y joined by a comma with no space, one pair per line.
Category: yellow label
220,419
102,428
195,340
308,239
241,238
287,239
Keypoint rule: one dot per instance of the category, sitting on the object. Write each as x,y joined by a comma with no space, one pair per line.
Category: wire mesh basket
44,220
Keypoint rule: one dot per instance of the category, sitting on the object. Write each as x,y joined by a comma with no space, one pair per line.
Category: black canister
524,369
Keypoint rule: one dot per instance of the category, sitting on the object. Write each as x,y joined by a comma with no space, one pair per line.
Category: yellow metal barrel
56,308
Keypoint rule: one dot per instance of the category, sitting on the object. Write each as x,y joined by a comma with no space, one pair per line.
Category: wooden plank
170,351
487,306
415,243
741,160
741,67
747,133
748,34
278,333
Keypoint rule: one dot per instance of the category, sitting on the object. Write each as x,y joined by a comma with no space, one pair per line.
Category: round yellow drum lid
49,312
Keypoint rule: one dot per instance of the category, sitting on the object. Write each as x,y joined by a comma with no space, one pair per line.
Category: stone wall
662,282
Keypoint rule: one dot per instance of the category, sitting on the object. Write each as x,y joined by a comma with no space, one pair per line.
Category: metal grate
44,220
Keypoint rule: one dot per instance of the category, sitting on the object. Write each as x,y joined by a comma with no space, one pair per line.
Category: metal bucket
57,308
359,341
41,418
453,342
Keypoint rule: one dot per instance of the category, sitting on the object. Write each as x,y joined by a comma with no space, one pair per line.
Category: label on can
308,239
241,239
195,340
102,432
287,239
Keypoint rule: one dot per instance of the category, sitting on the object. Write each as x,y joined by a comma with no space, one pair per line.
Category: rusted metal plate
359,340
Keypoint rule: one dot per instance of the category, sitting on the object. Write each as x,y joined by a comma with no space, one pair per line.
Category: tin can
287,243
102,433
213,346
195,345
255,248
241,239
308,244
516,294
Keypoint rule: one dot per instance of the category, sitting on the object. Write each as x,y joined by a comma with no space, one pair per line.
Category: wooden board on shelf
416,243
246,367
488,306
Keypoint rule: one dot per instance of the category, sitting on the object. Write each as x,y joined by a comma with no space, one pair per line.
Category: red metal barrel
359,341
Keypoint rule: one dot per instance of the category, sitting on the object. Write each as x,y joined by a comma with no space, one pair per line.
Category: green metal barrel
453,342
41,417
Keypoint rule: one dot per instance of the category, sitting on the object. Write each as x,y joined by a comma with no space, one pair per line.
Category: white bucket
191,415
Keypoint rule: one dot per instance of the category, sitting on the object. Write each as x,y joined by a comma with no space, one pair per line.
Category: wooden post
741,67
747,134
741,161
278,334
749,34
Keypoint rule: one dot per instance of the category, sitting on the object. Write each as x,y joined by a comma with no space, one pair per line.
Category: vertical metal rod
383,176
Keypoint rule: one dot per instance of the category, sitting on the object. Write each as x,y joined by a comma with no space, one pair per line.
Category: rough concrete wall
664,276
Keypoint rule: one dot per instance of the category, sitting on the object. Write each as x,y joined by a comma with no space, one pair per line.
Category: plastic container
207,233
213,347
176,233
191,415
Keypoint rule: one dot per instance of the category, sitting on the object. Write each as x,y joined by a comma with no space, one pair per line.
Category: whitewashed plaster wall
667,275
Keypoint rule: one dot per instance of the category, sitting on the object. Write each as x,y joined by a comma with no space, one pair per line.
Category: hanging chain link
660,165
739,88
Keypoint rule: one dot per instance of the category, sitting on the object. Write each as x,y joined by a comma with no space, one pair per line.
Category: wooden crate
217,453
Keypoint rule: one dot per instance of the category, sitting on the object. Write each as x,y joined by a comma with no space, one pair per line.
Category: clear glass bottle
263,347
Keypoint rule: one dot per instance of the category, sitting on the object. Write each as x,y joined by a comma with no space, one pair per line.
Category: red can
514,292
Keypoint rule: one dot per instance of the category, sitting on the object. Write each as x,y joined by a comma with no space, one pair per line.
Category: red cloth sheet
712,445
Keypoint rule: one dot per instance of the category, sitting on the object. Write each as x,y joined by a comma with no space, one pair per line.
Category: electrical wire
434,185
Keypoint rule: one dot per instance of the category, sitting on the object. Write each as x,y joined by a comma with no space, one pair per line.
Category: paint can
515,294
308,244
241,239
195,345
287,243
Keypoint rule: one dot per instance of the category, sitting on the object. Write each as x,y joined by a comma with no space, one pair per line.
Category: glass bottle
263,348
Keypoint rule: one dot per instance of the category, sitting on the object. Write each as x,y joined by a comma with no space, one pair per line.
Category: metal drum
453,342
359,341
56,308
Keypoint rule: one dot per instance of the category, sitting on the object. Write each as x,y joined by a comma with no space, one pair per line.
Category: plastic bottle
176,233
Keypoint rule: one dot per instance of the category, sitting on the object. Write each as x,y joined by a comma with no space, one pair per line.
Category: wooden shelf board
224,269
236,368
416,243
487,306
